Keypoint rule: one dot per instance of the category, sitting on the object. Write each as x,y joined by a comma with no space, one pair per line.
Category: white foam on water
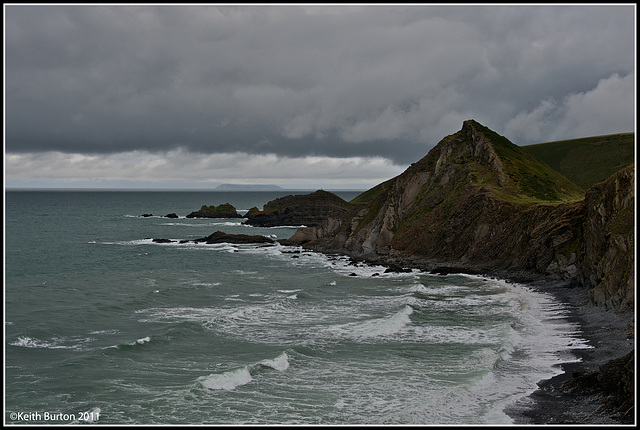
29,342
245,272
234,378
446,290
142,340
281,362
128,345
54,343
229,380
532,348
109,331
376,327
285,320
201,224
206,284
294,227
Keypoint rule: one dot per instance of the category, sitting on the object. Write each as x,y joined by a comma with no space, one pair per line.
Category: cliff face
472,191
607,253
477,201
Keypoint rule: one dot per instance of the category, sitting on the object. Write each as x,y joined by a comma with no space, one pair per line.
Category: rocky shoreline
557,400
610,333
611,336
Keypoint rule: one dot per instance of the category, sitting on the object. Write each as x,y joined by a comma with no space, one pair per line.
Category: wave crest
231,379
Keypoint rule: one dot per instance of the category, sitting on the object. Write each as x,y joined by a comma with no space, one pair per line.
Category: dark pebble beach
611,335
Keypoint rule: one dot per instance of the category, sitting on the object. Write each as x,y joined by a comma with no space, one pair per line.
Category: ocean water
102,325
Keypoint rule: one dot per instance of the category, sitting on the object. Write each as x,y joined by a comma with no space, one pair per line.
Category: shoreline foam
606,331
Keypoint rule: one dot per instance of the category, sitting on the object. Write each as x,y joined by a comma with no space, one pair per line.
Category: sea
105,326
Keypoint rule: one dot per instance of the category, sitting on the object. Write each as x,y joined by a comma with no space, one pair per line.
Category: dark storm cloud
334,81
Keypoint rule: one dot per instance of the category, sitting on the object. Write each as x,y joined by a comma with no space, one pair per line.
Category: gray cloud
180,169
297,81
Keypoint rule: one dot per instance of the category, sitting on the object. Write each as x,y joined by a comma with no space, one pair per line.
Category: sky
300,96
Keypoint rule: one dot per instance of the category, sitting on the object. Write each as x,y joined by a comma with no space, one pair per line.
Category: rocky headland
477,203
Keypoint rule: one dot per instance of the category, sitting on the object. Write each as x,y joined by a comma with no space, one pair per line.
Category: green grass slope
372,193
587,161
532,180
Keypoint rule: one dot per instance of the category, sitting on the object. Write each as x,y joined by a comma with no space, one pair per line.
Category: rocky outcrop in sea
222,237
296,210
225,210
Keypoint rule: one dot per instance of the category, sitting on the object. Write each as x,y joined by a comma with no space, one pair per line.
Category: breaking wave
236,377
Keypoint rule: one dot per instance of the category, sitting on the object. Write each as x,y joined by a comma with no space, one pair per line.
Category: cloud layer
182,169
359,83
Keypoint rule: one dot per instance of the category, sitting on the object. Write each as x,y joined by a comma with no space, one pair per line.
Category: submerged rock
397,269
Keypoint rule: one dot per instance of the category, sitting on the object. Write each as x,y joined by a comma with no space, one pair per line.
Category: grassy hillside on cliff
477,185
372,194
532,181
588,160
584,162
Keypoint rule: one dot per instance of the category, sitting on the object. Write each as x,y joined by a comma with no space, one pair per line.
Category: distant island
249,187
